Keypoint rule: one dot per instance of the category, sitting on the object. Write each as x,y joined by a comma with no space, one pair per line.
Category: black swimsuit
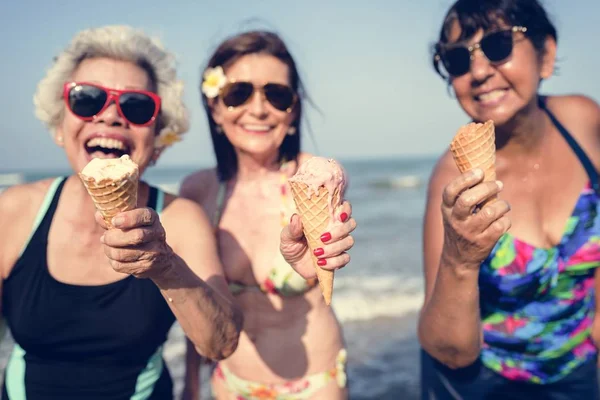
82,342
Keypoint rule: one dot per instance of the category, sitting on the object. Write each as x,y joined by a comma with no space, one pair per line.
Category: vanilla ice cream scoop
112,184
110,168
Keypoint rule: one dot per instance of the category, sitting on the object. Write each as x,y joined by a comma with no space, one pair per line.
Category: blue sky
366,65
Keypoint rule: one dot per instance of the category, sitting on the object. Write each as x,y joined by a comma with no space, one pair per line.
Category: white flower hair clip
214,80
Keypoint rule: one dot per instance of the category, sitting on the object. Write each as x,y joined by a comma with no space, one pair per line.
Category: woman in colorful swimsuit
291,346
510,313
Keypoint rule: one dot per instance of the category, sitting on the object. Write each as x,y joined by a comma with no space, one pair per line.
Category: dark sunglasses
497,46
281,97
87,100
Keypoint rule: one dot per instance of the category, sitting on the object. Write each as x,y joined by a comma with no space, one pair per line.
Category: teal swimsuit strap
160,201
42,210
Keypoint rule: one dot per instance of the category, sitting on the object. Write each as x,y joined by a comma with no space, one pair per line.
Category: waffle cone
474,146
112,196
315,214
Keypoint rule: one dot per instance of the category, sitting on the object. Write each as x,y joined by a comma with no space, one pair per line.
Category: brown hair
228,52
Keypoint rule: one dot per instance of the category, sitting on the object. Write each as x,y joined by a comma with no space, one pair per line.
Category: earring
219,130
230,108
291,130
59,139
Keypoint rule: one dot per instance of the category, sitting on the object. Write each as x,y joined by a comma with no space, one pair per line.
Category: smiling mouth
491,96
257,128
99,147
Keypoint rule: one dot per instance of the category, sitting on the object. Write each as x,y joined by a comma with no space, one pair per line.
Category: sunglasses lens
280,96
86,101
237,93
138,108
457,61
497,46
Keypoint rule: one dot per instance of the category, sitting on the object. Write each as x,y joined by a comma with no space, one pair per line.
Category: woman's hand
470,233
332,252
136,245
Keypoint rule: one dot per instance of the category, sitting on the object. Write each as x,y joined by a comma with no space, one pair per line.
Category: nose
110,116
257,104
481,68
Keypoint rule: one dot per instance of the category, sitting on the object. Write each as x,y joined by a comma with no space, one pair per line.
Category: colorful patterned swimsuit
537,304
537,308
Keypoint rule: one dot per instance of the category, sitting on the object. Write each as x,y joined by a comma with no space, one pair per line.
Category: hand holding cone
317,189
112,184
474,146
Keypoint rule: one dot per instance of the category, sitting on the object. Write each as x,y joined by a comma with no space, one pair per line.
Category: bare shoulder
182,215
581,117
575,106
199,184
18,207
17,202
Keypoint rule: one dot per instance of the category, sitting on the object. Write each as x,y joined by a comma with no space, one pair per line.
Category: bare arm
454,243
188,275
195,188
208,316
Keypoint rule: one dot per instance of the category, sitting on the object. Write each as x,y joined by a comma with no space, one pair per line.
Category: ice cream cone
112,196
314,210
474,146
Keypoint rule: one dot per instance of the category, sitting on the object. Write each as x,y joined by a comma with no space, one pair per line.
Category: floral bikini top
282,279
537,304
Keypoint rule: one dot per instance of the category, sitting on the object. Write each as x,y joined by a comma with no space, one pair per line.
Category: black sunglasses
497,46
281,97
87,100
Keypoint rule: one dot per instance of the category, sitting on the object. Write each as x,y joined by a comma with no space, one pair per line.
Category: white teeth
257,128
106,143
493,95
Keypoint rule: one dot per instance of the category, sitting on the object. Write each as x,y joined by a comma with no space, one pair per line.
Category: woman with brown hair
291,346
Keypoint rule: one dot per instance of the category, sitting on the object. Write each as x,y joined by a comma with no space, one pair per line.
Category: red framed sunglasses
87,100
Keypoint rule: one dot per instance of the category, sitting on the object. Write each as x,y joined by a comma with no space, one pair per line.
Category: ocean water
376,297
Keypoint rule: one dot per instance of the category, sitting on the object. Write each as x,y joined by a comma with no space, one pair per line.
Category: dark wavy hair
231,50
473,15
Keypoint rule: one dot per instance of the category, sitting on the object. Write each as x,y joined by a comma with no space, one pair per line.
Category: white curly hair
122,43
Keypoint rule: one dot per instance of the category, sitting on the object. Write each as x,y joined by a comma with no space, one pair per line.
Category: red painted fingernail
319,252
343,217
325,237
321,261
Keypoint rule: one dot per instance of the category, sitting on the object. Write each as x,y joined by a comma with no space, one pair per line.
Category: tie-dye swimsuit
537,304
537,308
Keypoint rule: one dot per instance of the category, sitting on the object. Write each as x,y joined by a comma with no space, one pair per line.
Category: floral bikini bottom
300,389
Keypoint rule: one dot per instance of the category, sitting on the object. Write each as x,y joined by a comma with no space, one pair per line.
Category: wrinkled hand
470,236
332,255
137,245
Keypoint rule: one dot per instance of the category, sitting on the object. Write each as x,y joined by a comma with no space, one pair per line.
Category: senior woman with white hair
90,307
